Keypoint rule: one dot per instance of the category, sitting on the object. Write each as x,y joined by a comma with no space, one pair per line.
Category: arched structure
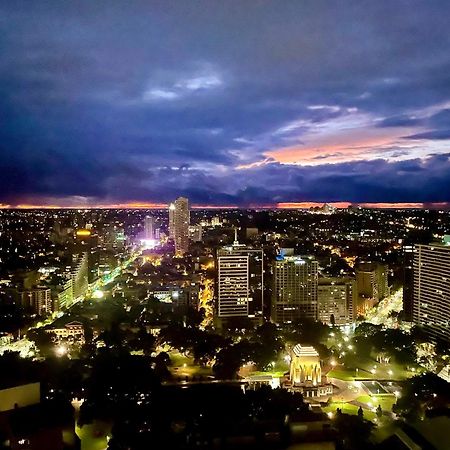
305,366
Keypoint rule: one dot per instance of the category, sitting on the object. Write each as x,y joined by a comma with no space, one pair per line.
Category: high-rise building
371,285
295,289
80,272
408,282
172,220
149,227
432,289
179,225
335,300
240,283
37,301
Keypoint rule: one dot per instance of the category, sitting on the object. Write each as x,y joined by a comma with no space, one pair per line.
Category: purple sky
225,102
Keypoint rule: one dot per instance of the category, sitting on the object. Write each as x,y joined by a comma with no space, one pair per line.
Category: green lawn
94,436
386,401
347,408
183,366
346,370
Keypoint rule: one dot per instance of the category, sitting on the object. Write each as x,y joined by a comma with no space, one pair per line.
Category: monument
305,374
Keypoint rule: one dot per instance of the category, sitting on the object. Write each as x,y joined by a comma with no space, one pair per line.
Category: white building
432,289
240,281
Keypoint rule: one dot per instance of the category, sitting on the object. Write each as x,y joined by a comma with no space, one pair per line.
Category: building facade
37,301
432,289
240,282
179,225
371,285
294,294
408,282
80,273
149,227
335,300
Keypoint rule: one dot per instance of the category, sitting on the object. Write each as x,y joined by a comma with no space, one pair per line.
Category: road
379,315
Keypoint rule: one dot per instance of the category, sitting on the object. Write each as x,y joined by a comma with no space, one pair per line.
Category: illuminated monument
305,373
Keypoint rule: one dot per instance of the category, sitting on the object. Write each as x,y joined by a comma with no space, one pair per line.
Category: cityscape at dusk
225,225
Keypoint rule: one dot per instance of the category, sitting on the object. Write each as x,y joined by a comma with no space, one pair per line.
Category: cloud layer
225,102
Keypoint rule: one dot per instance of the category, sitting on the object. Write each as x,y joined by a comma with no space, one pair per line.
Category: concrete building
408,282
179,225
335,300
432,289
371,285
73,331
80,272
240,283
37,301
295,289
65,294
196,233
149,227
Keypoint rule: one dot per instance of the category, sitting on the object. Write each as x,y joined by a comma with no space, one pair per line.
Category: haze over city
228,103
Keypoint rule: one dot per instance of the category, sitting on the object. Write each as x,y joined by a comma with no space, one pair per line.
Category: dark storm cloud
108,100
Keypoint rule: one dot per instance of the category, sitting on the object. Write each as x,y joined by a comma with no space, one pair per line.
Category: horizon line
281,205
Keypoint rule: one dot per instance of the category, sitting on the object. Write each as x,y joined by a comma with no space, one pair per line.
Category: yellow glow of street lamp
98,294
61,350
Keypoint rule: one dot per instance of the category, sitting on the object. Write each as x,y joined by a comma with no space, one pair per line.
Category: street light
61,350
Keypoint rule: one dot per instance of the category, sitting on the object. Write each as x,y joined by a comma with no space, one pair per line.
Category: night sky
225,102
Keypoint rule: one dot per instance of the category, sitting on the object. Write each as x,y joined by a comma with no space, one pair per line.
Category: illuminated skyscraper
172,220
149,227
335,300
80,270
179,225
240,282
432,289
295,289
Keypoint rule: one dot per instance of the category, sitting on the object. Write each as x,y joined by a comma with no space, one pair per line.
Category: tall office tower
408,282
335,300
179,225
295,289
80,272
432,289
371,284
172,220
87,240
240,282
149,227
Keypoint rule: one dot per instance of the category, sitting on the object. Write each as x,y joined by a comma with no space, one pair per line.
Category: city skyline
225,104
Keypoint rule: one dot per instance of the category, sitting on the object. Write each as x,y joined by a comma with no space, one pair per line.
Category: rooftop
302,350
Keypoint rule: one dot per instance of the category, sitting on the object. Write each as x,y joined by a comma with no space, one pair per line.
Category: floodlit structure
305,373
305,366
